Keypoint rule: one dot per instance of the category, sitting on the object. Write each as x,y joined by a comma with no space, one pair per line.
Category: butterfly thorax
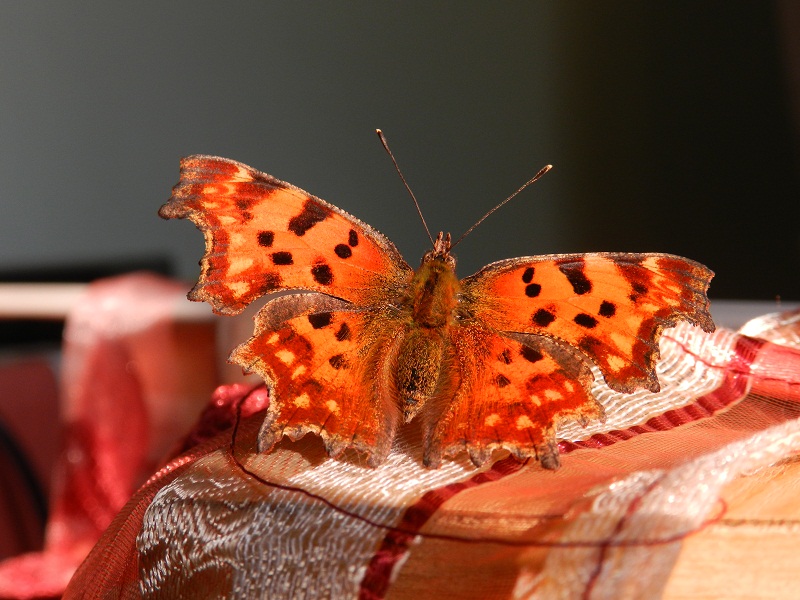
434,289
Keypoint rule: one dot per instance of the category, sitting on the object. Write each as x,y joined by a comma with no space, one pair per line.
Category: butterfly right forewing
612,307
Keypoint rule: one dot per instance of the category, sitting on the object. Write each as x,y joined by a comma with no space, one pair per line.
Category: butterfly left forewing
610,306
265,235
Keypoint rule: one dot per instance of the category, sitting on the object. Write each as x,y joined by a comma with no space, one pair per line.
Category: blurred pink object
130,388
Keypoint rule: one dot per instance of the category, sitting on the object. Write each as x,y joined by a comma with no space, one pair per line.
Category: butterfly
364,342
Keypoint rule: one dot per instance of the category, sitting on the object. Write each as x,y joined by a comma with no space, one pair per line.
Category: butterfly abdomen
419,368
430,306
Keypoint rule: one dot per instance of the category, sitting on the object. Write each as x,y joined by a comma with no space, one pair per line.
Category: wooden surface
754,551
54,301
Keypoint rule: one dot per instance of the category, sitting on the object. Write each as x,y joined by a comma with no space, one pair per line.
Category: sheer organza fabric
221,520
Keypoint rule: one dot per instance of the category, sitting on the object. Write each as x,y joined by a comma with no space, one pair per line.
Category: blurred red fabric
29,443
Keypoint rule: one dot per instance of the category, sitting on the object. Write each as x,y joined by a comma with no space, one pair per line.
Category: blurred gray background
672,127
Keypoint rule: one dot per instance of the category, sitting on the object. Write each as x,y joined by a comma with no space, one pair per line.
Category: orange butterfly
496,360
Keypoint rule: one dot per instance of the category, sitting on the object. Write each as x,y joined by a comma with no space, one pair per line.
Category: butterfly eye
463,314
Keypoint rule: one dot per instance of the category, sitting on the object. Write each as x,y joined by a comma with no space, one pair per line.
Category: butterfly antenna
533,179
405,183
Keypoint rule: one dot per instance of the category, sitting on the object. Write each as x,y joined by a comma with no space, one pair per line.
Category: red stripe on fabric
601,558
395,545
733,387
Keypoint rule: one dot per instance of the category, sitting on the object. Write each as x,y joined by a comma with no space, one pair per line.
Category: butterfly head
441,251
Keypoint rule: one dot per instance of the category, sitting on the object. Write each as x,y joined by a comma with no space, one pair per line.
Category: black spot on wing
639,289
269,282
343,251
322,273
504,357
352,238
532,290
530,354
607,309
282,258
320,320
502,381
266,238
584,320
543,317
311,214
527,276
638,277
573,271
343,333
338,362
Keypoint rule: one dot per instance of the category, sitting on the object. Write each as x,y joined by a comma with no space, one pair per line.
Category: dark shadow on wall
677,120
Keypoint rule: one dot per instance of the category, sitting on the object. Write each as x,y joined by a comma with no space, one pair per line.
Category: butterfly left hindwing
321,359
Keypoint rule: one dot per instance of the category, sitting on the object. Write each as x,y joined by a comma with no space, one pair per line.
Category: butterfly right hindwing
512,392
